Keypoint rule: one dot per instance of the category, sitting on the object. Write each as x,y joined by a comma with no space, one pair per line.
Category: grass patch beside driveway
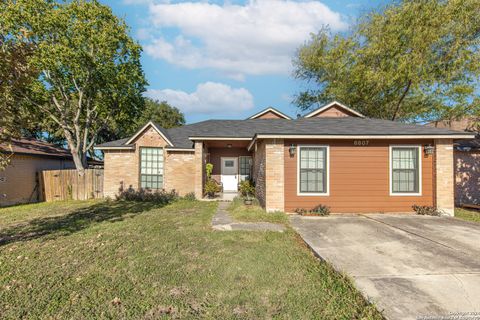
254,213
468,215
135,260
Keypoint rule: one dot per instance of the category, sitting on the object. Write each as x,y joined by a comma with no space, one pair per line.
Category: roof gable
270,113
156,127
334,110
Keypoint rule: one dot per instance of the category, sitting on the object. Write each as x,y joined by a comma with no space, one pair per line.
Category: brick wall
120,169
444,175
199,173
179,172
467,177
258,173
274,175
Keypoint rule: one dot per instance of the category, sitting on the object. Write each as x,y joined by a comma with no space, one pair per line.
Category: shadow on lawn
77,220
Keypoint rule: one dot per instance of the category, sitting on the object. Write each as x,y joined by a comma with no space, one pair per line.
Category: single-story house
333,156
466,161
19,182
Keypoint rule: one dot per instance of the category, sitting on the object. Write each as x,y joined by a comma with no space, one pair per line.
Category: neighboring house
332,156
466,162
19,181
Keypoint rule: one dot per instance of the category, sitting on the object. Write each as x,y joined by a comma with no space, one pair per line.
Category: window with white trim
405,166
312,166
245,167
151,168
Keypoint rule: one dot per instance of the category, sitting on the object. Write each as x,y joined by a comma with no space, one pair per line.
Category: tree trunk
399,104
79,162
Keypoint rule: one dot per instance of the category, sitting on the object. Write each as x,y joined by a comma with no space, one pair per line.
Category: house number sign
360,142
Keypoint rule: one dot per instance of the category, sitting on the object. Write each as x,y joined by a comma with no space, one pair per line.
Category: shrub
425,210
190,196
209,170
212,187
247,189
300,211
157,196
320,210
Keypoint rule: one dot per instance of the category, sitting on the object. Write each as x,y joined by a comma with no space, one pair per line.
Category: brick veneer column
199,171
274,175
444,176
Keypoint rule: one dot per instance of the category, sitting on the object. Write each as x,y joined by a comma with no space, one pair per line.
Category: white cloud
209,97
259,37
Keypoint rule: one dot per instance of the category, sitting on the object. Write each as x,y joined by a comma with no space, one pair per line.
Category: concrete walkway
410,266
224,222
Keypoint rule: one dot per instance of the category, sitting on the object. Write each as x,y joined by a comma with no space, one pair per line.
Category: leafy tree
162,113
15,75
413,60
90,78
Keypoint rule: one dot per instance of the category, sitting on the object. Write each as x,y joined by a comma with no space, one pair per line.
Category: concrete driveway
408,265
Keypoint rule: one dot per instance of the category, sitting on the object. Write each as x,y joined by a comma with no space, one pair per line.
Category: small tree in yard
89,72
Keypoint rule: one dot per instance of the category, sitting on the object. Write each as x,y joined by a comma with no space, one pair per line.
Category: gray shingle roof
302,126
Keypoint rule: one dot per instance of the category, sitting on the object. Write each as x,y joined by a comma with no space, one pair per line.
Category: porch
231,161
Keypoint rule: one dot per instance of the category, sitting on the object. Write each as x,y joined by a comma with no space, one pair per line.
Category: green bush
246,188
320,210
212,187
190,196
425,210
146,195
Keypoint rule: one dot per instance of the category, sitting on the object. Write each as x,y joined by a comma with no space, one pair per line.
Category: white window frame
390,168
327,185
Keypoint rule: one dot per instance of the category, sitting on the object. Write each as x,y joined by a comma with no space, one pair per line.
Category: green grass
121,260
468,215
254,213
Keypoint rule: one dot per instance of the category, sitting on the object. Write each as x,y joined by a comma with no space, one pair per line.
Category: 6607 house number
360,143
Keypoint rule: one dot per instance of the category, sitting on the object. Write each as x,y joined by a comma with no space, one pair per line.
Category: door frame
236,174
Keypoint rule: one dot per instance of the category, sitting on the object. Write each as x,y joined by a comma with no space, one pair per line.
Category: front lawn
467,214
117,260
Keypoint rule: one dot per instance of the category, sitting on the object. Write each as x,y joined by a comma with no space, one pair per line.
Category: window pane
312,169
405,170
151,168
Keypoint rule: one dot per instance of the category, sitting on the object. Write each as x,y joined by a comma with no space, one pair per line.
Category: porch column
274,175
444,176
199,169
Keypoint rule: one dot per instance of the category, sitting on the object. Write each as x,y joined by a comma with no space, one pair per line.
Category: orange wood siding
269,115
334,112
359,178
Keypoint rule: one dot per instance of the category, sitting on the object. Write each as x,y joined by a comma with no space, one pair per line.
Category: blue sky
228,59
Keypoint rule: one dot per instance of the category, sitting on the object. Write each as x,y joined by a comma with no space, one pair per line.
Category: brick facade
199,173
444,176
179,170
120,170
274,175
258,173
122,167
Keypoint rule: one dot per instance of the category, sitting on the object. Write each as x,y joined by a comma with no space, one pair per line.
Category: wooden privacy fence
69,185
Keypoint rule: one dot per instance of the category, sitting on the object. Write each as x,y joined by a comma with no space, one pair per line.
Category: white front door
229,174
